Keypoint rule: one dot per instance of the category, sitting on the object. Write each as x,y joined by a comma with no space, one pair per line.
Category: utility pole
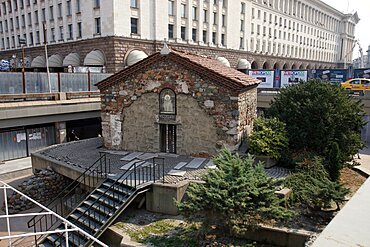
46,56
23,42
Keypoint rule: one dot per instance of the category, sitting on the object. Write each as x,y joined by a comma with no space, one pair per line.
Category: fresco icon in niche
167,102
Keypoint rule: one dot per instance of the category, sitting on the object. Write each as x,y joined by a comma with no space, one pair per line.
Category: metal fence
16,144
37,82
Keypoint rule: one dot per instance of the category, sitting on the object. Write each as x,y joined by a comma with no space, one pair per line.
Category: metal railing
9,98
122,189
69,227
64,203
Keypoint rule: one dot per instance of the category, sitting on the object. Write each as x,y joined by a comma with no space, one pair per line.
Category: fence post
59,82
88,81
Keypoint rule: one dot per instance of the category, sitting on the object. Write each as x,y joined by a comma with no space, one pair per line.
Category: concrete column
61,132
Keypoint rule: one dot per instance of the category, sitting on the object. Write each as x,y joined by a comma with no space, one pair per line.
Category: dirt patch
351,179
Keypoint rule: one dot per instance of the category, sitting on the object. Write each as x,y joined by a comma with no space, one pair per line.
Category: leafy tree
268,138
312,187
240,194
318,114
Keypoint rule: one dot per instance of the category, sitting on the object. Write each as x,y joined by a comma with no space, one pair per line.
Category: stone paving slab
180,165
128,165
131,156
195,163
146,156
177,173
117,152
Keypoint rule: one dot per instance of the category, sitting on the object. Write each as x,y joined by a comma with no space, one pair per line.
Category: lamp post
14,56
23,42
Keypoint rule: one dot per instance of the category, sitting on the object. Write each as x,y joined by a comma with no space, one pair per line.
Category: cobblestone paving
82,154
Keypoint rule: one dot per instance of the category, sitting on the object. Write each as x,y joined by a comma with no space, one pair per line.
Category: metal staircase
104,204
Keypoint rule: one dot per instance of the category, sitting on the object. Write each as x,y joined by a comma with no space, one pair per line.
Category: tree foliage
318,114
237,192
312,187
268,138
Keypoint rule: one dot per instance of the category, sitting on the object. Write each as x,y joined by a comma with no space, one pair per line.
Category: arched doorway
285,66
265,65
276,66
254,65
294,66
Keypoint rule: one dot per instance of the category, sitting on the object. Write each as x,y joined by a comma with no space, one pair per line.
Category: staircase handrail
74,184
128,172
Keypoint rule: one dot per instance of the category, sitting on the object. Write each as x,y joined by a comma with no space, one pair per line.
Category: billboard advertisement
266,77
334,76
362,73
291,77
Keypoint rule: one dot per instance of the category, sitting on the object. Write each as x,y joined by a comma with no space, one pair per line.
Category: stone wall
208,115
44,186
117,48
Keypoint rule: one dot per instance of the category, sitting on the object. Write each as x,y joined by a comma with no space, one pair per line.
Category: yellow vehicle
357,84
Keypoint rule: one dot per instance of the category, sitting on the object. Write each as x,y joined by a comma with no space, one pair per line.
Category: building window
183,10
133,4
194,13
170,31
37,37
223,39
97,26
214,18
241,46
204,36
96,3
61,35
134,22
23,21
194,34
167,99
171,8
70,31
183,32
59,10
36,17
69,9
43,18
214,37
79,27
6,25
17,22
51,13
241,25
223,20
205,16
243,8
15,5
22,4
52,34
11,24
78,6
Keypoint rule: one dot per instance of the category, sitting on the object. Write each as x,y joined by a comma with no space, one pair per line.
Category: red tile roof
211,68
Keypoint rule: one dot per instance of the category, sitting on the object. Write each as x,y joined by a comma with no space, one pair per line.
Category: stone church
177,102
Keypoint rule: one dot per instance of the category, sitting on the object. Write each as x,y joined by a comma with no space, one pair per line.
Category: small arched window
167,102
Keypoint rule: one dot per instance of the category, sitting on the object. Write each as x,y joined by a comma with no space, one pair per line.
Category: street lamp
14,56
23,42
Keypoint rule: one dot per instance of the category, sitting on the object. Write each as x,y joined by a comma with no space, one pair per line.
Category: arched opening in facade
243,65
55,63
72,60
134,56
96,61
294,66
254,65
301,66
224,61
285,66
276,66
38,64
265,65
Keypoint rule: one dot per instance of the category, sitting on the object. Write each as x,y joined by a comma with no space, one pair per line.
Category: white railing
69,227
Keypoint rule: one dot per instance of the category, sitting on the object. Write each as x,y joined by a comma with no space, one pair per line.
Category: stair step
93,214
105,200
77,239
118,196
117,187
46,244
86,221
99,207
56,239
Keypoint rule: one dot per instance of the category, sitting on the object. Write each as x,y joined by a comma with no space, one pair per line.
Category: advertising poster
334,76
266,77
291,77
362,73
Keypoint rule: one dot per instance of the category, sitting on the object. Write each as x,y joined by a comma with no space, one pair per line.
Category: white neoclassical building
264,33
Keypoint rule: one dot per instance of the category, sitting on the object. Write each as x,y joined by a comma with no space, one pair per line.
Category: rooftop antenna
165,50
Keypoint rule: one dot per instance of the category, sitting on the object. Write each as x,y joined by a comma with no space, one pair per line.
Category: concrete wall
163,197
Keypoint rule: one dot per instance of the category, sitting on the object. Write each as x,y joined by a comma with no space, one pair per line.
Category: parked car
357,85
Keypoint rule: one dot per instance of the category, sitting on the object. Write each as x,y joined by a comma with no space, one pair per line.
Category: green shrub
312,187
268,138
237,192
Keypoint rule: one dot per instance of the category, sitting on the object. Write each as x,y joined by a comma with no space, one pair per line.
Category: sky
362,7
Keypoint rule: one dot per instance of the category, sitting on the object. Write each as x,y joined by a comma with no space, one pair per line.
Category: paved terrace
81,154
